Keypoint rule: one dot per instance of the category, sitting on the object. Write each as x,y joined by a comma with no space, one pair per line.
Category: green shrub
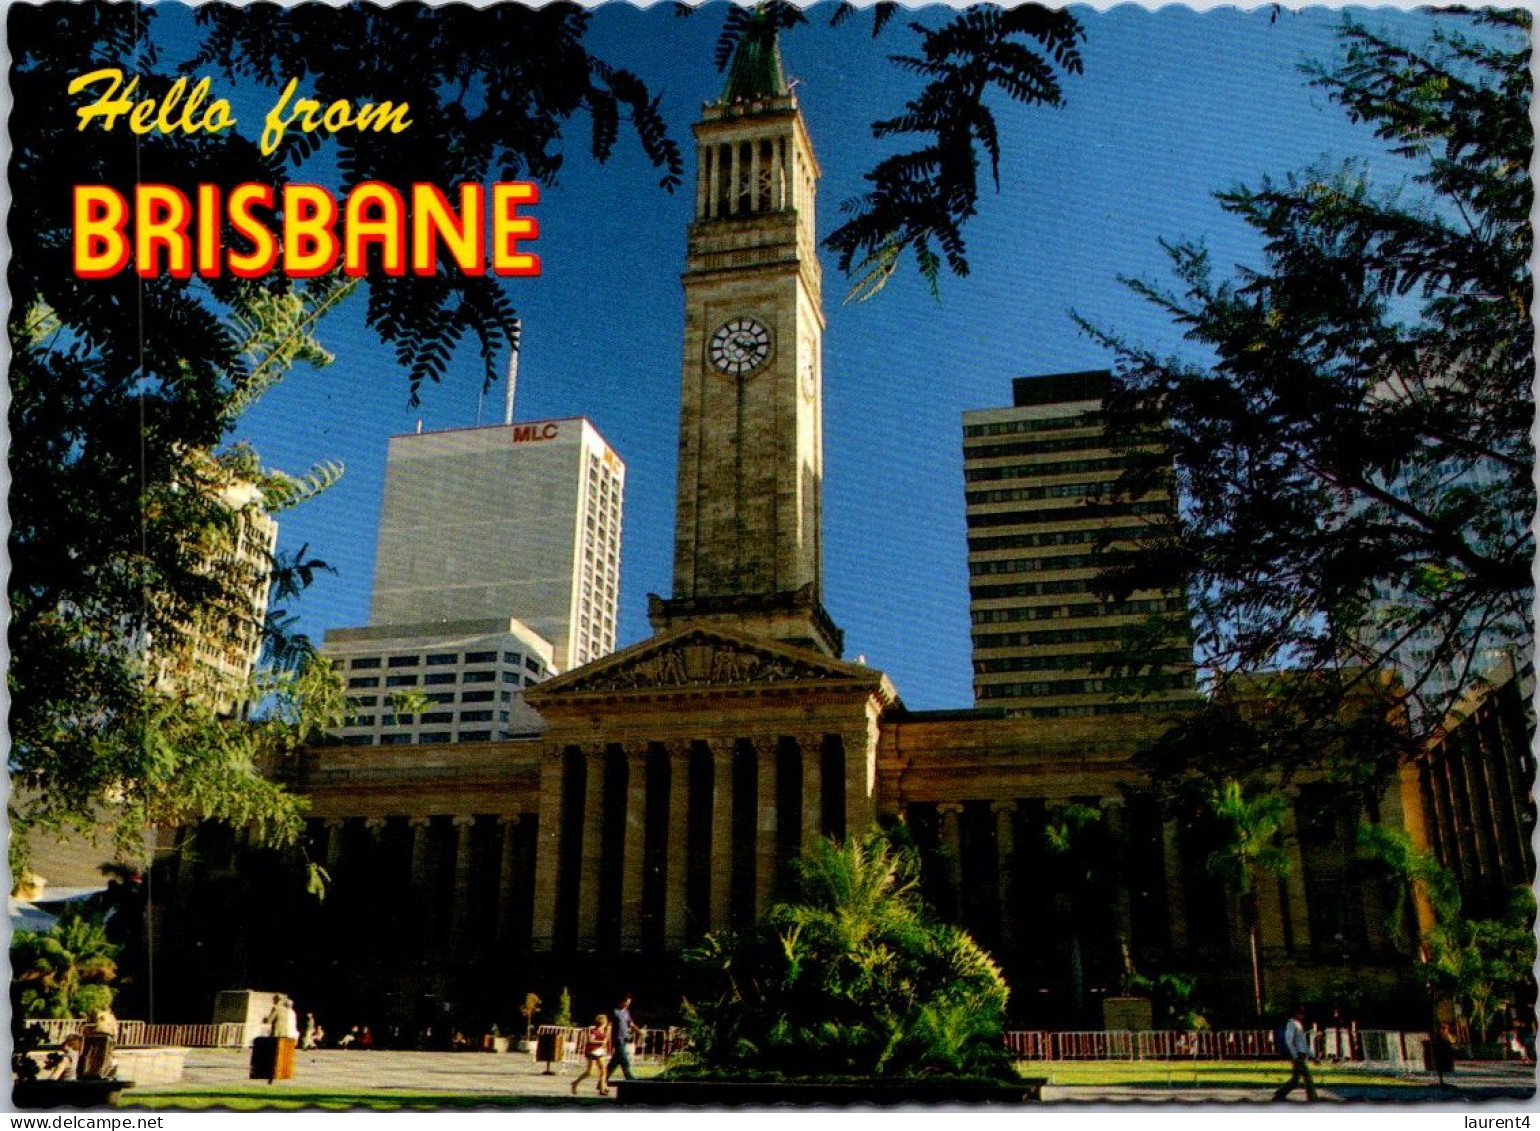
849,975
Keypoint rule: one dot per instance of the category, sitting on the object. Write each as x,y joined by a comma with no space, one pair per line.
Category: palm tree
1249,850
64,971
848,974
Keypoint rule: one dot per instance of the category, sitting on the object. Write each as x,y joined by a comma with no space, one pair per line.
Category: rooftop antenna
513,373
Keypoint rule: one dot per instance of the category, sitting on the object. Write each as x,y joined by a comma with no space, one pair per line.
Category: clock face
740,346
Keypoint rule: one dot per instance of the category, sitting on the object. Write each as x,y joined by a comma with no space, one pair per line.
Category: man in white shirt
1297,1044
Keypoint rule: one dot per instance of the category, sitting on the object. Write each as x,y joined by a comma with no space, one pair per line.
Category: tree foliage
65,971
921,198
1479,963
848,975
1351,430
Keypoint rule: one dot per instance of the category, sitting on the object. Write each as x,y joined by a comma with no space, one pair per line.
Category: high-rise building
216,648
1039,477
515,520
451,681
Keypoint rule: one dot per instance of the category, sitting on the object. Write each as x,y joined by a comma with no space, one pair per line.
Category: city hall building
673,780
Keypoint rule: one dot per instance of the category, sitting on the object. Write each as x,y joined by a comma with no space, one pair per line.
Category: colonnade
1151,862
672,838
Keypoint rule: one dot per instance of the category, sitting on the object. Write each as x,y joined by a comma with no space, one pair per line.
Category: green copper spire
756,71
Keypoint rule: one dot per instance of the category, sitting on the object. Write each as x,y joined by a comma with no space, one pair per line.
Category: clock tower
748,533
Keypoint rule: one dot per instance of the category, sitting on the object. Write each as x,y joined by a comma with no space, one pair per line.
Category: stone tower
748,538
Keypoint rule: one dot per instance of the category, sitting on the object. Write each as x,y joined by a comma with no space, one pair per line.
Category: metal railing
1382,1050
652,1046
142,1034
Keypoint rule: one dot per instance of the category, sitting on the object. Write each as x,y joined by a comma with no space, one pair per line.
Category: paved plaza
334,1071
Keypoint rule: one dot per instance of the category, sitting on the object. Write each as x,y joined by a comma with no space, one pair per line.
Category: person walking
1297,1047
624,1030
596,1051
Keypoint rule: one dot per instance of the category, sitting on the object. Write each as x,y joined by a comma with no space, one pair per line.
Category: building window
395,739
358,740
475,735
402,662
440,696
360,721
364,662
439,677
505,696
510,677
438,659
480,677
433,736
363,701
436,717
401,681
364,681
475,716
532,664
511,657
476,697
480,657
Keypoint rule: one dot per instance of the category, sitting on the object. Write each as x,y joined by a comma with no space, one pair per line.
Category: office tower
451,681
1038,485
215,649
515,520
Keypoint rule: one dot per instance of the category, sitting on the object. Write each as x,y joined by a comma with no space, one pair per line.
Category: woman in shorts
596,1053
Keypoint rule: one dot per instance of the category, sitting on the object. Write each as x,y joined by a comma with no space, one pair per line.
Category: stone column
548,851
765,750
633,851
506,879
702,181
1122,900
1005,848
1296,910
778,177
592,848
676,866
860,781
950,813
460,913
1176,885
419,865
334,830
811,747
754,176
721,831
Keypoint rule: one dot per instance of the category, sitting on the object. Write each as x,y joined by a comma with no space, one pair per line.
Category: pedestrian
1443,1053
1296,1045
625,1031
596,1050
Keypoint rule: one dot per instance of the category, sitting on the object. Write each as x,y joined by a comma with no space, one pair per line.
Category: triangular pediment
705,659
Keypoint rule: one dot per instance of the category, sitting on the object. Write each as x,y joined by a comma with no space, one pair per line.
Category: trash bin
545,1048
95,1057
272,1058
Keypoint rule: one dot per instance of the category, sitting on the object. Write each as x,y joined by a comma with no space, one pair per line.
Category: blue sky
1172,105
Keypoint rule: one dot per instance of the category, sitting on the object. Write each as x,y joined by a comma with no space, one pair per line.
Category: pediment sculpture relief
701,663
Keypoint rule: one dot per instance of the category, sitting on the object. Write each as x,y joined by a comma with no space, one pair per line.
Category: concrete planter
884,1093
151,1065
